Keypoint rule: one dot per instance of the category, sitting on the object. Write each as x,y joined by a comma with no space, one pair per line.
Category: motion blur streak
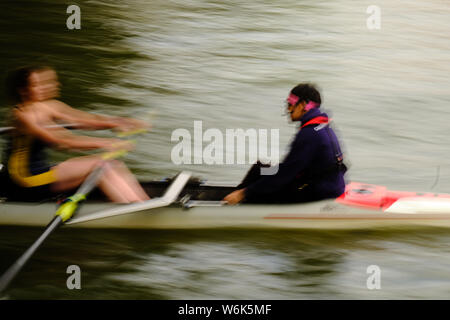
231,64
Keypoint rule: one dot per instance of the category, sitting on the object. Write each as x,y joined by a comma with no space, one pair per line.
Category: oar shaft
67,126
6,129
11,273
92,180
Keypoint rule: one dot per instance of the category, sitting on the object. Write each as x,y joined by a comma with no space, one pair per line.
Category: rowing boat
199,205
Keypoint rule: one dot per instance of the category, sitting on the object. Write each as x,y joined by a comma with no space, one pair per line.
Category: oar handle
67,126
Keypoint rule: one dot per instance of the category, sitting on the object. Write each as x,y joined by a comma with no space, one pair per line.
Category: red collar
316,120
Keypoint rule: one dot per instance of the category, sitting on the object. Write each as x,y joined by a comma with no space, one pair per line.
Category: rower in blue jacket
312,170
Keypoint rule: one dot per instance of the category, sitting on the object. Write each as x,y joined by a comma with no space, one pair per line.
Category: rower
33,92
312,170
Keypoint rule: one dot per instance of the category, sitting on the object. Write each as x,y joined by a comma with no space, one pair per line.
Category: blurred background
231,64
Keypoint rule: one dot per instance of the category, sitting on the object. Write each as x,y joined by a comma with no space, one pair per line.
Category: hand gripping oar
64,213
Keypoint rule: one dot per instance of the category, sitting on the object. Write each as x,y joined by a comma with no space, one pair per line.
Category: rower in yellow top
33,92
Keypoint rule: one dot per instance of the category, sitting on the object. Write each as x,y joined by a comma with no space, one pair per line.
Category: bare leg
130,179
114,182
123,181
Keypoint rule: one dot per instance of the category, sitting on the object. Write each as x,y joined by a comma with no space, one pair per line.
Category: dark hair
18,80
307,92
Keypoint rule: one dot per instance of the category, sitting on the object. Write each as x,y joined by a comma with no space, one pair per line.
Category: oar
149,117
64,213
67,126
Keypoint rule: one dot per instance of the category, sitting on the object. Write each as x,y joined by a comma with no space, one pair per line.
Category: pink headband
293,100
311,105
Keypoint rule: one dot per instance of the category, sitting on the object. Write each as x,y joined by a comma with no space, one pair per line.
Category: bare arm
59,137
93,121
62,111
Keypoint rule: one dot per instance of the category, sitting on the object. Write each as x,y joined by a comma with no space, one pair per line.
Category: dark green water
231,64
232,264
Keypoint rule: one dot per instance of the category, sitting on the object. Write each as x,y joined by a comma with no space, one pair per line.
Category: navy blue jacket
313,150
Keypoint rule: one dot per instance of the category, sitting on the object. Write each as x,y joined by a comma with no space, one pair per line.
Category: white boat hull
317,215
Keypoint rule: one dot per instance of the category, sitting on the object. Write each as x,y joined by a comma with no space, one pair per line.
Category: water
231,64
